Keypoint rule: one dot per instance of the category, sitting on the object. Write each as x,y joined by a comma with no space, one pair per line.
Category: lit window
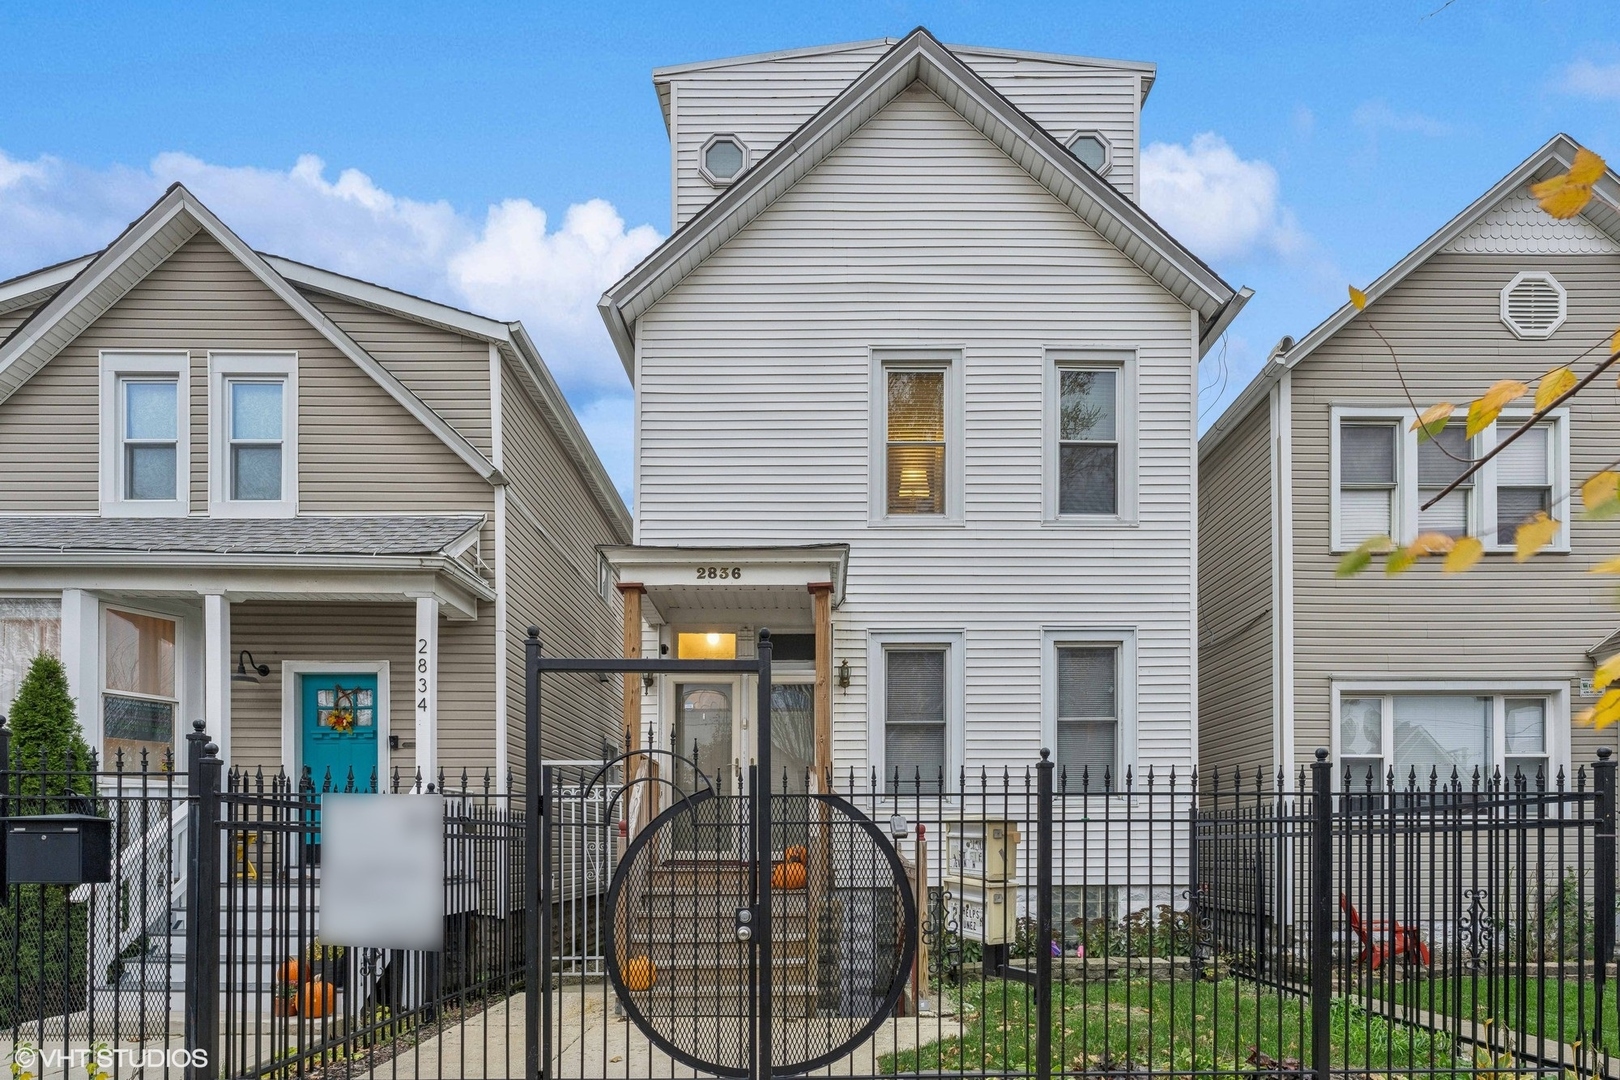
724,158
916,441
1088,441
914,722
138,703
1092,150
706,646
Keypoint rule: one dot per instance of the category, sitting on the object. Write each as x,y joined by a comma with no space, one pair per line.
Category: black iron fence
1084,925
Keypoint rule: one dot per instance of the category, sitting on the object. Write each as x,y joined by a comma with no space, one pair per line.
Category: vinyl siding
1235,613
449,372
553,528
359,450
753,417
1502,620
10,320
763,102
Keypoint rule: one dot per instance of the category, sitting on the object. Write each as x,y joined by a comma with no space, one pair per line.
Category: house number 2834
719,573
421,674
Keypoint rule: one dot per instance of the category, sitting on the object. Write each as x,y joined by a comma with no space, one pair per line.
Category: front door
338,725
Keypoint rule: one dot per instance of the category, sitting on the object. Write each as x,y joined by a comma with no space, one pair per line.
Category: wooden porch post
821,597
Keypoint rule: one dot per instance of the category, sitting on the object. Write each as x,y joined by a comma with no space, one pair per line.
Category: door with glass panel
706,737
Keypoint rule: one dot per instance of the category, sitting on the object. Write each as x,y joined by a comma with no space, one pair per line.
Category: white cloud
1217,203
1376,116
509,265
1600,82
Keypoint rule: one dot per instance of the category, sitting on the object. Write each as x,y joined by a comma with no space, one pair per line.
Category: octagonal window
1091,149
723,159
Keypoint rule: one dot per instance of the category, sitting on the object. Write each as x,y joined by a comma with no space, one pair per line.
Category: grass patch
1559,1010
1138,1023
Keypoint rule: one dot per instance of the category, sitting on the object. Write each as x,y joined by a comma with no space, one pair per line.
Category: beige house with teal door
1424,673
314,512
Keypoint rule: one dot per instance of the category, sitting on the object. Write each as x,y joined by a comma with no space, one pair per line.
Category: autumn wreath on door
342,714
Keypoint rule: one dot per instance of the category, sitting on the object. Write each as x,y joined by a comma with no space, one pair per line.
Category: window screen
914,720
1087,713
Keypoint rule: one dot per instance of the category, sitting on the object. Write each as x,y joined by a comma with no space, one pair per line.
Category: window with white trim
916,725
1090,436
145,434
139,699
1383,475
1441,735
253,435
1088,712
916,439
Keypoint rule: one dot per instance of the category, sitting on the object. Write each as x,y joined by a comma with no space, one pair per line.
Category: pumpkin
284,1002
788,875
797,853
319,998
291,973
640,973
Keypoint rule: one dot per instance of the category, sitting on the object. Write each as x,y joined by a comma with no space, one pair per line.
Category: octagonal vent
1534,304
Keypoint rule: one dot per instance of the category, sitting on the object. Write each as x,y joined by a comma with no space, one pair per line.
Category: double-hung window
1088,714
915,724
1090,436
145,444
139,701
254,435
1440,736
1383,476
916,440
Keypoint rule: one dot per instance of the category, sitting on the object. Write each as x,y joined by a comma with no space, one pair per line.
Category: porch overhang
754,585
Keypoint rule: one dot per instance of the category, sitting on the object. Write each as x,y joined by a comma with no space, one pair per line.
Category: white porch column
425,686
81,659
217,672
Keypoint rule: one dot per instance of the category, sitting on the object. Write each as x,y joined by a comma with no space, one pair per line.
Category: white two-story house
916,389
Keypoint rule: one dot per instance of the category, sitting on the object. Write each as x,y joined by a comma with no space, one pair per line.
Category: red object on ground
1385,939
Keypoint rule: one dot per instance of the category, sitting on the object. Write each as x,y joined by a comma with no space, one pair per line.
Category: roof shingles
413,535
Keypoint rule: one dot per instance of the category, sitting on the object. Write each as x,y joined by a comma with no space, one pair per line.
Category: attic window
724,158
1534,304
1092,150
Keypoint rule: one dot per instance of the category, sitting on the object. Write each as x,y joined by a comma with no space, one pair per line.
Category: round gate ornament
682,945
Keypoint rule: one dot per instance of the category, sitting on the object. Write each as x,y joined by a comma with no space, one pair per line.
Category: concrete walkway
594,1044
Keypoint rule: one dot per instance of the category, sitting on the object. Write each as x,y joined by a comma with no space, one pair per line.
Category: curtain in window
27,628
914,718
139,705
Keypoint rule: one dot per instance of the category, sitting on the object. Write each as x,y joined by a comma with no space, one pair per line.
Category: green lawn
1161,1025
1557,1009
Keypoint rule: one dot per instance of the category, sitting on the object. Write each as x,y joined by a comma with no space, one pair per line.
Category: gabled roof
662,76
358,534
1555,157
919,57
154,236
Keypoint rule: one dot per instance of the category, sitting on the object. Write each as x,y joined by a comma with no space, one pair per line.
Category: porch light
242,674
843,674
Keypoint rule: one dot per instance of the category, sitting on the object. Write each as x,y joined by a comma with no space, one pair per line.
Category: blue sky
512,158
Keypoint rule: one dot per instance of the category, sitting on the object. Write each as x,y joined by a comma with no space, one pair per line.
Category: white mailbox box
983,913
985,851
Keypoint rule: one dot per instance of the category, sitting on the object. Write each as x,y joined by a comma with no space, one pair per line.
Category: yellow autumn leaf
1433,543
1358,298
1464,554
1482,413
1566,195
1601,494
1553,386
1604,713
1606,673
1614,343
1400,561
1356,561
1610,567
1534,535
1432,421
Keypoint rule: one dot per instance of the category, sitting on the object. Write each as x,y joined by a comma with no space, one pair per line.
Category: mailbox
984,851
58,849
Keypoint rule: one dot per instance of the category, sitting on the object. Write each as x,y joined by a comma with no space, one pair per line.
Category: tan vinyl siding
764,101
553,528
1235,612
359,450
449,372
467,718
10,320
1502,620
753,418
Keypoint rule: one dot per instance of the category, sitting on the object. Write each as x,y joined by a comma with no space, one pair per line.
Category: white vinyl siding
757,428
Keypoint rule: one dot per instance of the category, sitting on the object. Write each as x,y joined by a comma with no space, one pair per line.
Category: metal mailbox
986,914
58,849
984,851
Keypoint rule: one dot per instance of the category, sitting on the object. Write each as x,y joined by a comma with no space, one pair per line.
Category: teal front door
338,724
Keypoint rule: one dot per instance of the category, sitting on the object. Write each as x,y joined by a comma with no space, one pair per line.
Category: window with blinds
915,452
1440,461
1367,480
1088,441
914,720
1087,713
1524,481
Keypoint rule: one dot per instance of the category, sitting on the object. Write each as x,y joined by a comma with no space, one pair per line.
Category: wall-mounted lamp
242,674
647,681
843,674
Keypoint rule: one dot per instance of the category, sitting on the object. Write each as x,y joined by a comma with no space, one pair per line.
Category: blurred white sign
382,871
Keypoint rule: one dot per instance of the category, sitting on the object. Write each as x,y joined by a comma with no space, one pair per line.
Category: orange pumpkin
319,998
284,1002
291,973
797,853
640,973
788,875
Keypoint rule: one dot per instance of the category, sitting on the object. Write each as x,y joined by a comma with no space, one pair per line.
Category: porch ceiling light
242,674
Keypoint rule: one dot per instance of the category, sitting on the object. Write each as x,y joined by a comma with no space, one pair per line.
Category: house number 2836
720,573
